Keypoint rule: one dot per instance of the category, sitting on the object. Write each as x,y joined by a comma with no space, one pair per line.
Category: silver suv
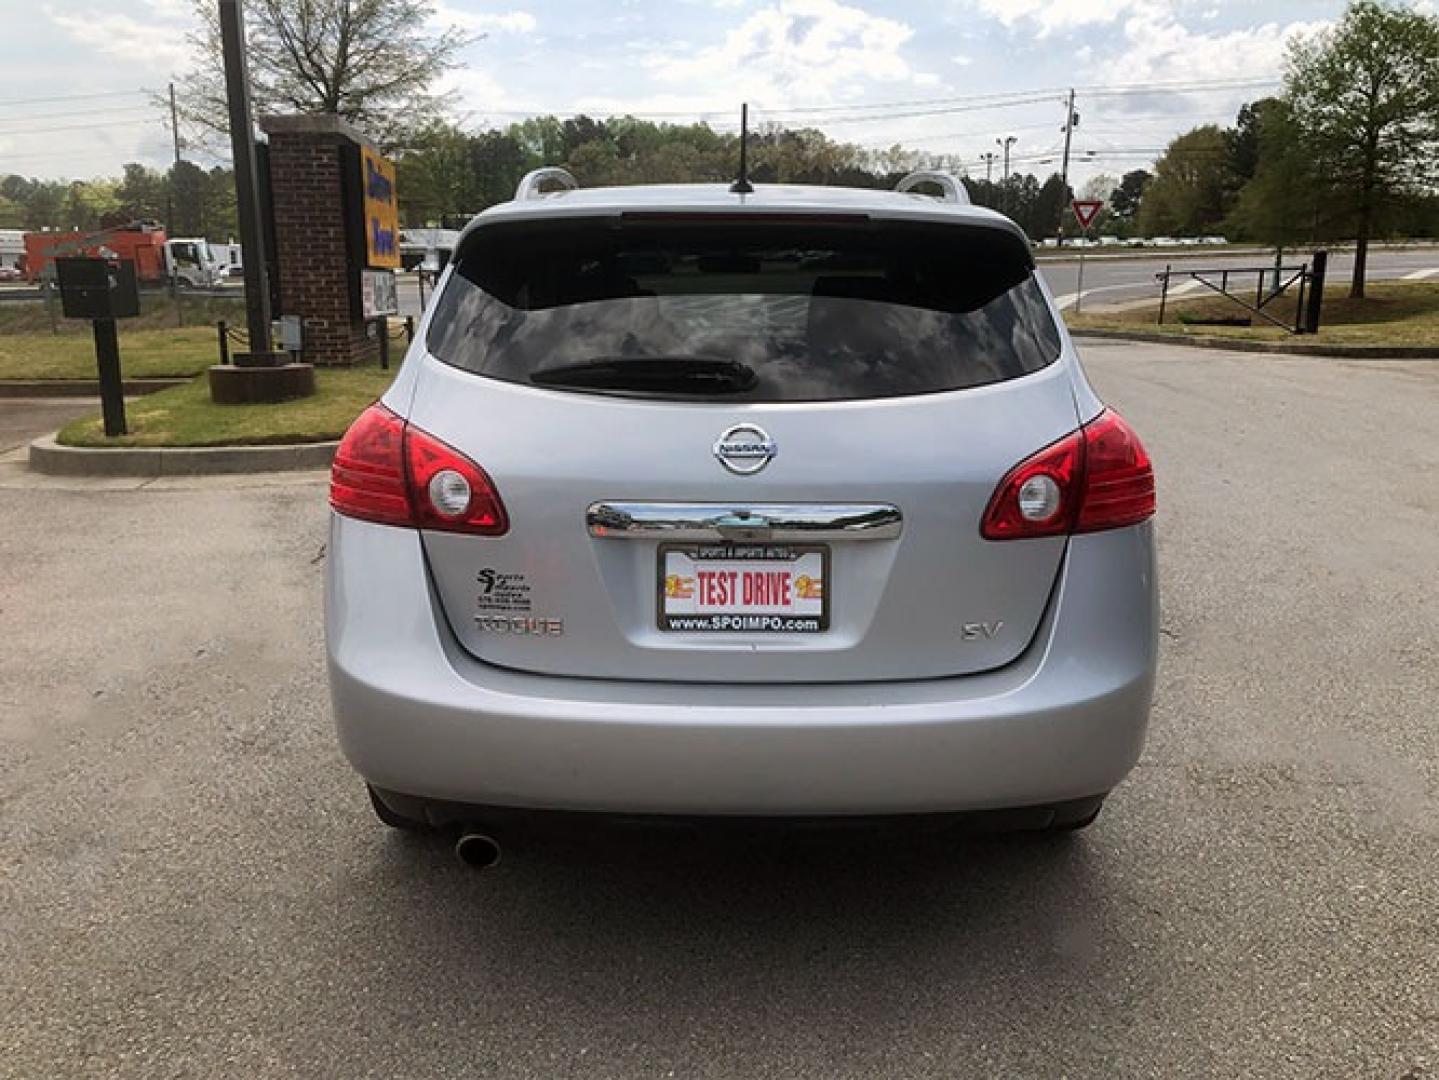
793,503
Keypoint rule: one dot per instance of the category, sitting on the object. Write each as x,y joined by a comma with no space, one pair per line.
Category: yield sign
1086,210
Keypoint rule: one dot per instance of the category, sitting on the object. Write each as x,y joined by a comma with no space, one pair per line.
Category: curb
27,388
1280,348
49,457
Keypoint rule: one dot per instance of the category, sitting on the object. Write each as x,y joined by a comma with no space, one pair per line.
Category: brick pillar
314,235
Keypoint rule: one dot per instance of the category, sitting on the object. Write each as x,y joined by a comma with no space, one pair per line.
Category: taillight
449,491
389,471
1098,477
367,478
1118,479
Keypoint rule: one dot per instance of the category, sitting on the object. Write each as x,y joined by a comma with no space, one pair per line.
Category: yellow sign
382,212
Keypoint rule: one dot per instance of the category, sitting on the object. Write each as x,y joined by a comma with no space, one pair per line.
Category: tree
203,203
1245,137
1279,201
1050,203
371,62
1124,200
1188,193
12,213
91,204
143,194
1365,94
496,163
433,177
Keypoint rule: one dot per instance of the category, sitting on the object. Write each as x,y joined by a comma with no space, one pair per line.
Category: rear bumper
417,715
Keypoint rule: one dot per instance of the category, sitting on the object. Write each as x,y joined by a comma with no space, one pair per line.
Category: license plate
744,588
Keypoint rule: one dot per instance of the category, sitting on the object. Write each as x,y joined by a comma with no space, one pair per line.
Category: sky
945,76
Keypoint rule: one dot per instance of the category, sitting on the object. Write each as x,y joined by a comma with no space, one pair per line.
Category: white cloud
1157,46
475,90
176,10
961,59
124,37
1051,15
485,22
795,51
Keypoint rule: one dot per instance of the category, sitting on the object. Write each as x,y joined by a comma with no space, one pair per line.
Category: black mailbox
97,288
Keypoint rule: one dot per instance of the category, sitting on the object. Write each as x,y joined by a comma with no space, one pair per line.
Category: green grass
185,415
1395,313
152,345
143,354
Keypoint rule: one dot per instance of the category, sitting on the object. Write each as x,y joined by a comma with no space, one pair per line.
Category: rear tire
391,818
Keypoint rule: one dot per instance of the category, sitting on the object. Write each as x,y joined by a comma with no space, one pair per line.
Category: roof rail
954,190
529,186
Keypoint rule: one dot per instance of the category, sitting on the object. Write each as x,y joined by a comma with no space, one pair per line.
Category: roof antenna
742,186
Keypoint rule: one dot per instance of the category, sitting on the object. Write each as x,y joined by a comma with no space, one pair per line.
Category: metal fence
1309,277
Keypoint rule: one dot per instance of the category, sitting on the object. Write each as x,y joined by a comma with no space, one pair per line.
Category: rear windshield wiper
683,374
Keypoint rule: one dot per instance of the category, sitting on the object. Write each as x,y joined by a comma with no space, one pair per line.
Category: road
192,885
1109,277
1121,278
23,419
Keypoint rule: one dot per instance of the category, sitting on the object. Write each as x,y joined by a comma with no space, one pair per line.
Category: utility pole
175,123
247,189
1069,119
170,196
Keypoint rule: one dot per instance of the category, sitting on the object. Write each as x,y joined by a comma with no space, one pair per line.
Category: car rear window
744,310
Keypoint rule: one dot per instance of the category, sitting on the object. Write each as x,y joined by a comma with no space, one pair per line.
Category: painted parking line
1422,275
1067,300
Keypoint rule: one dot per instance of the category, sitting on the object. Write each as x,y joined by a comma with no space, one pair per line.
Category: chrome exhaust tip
477,850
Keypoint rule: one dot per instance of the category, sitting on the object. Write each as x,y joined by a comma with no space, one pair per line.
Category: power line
72,97
886,110
113,110
945,111
1194,87
99,124
1036,96
948,135
968,99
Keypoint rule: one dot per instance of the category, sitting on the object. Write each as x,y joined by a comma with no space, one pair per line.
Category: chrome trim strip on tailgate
755,522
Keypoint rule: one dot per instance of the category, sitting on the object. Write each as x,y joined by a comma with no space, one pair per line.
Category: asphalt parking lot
24,419
192,884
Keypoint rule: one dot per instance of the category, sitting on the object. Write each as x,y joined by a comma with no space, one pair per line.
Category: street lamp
1006,143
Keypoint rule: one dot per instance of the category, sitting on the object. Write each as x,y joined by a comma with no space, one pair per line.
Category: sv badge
980,631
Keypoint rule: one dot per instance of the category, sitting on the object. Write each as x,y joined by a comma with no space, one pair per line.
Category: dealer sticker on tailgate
744,588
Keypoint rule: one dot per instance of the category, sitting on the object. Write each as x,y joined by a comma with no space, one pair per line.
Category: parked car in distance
785,504
10,273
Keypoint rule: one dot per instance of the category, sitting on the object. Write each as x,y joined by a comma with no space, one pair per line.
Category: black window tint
818,313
